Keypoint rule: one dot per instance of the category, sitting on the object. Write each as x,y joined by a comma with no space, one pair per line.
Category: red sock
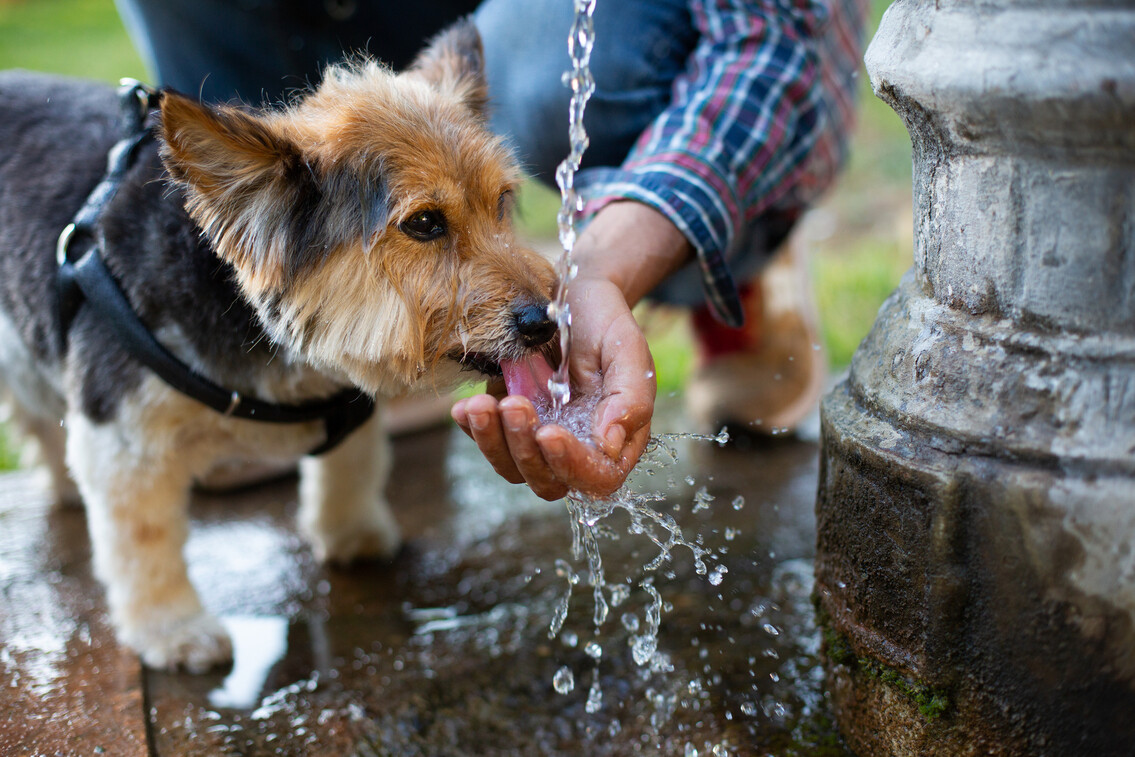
715,339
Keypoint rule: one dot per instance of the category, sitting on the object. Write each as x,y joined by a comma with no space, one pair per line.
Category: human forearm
633,246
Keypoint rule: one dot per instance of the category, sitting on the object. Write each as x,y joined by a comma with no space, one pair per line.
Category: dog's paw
362,541
195,644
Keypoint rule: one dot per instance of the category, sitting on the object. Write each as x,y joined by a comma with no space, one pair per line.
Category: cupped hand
609,358
626,250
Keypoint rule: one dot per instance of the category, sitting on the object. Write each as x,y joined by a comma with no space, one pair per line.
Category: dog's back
54,138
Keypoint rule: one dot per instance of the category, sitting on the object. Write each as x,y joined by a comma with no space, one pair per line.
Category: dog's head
369,222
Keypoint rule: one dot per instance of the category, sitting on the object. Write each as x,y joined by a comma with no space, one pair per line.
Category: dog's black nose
533,324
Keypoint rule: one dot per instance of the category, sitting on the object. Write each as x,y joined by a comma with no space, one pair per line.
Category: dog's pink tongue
528,378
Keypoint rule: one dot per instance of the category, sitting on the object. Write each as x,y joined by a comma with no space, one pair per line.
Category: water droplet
594,696
593,650
630,621
718,575
691,750
569,638
563,570
738,502
770,629
702,498
748,708
643,648
563,681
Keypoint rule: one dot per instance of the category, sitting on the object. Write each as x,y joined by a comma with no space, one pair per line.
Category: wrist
633,246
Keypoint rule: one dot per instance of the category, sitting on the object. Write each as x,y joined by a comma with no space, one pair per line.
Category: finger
460,416
629,386
520,423
581,466
485,428
620,419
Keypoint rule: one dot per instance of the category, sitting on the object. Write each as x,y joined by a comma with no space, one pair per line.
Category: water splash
579,80
588,527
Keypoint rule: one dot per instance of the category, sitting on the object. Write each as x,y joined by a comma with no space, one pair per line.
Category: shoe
767,376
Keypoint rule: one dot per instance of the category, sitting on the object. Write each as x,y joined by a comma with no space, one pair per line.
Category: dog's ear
247,186
211,147
454,61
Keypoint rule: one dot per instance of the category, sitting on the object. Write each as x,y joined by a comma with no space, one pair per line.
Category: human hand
610,360
625,251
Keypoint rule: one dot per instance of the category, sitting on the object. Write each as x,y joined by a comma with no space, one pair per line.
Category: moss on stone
931,702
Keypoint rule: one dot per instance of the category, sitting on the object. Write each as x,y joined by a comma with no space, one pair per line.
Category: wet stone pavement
447,650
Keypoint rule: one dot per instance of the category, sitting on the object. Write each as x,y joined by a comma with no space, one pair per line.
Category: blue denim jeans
260,49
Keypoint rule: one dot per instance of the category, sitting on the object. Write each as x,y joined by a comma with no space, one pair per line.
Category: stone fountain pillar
975,574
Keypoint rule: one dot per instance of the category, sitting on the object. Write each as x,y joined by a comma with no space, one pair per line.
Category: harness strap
85,279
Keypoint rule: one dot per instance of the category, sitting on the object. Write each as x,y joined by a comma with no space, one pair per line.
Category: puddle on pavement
448,650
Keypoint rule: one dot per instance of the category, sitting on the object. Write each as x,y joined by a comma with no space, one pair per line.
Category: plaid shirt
756,128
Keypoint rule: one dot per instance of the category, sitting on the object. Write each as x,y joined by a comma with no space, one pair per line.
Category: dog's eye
424,225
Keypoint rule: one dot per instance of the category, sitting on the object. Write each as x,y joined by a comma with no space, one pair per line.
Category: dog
358,237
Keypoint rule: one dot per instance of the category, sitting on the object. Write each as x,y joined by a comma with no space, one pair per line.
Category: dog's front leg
343,510
135,488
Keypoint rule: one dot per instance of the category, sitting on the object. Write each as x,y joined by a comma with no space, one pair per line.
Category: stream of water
587,513
581,40
641,616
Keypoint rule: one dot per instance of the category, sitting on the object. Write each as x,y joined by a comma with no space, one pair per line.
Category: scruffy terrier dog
359,237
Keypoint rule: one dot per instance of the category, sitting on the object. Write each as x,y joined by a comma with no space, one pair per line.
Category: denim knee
640,48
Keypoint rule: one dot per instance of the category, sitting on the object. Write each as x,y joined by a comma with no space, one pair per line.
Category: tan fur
431,151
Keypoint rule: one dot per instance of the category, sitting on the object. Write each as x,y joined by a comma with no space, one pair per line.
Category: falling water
579,80
588,512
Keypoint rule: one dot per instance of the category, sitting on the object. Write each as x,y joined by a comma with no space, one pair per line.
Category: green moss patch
932,703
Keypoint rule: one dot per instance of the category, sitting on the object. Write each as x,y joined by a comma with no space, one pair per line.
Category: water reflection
258,644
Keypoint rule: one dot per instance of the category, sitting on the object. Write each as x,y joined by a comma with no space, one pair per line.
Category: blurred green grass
859,236
74,37
9,452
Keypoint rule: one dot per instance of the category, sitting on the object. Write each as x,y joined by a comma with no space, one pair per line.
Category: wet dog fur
360,236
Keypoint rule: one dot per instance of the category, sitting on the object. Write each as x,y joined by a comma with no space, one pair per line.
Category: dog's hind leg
51,442
343,509
135,486
36,409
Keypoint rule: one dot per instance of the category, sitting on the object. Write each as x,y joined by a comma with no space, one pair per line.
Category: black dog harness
84,279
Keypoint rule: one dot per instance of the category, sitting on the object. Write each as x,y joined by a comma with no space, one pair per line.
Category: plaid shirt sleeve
757,124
